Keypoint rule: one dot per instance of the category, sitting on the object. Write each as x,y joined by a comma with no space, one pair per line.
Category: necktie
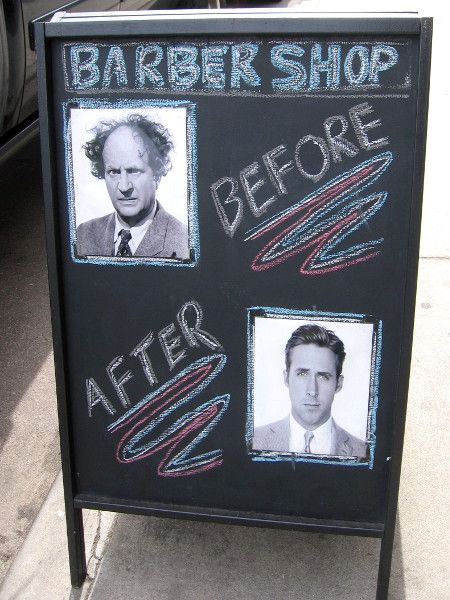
124,248
308,437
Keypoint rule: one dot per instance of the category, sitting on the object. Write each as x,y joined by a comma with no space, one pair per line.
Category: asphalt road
29,447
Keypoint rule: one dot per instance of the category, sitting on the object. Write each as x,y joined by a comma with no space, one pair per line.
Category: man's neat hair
315,334
159,147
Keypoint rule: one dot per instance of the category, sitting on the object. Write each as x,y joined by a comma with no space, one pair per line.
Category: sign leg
75,541
384,568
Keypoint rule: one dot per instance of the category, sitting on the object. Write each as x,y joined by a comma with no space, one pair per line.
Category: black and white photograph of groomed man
121,157
316,402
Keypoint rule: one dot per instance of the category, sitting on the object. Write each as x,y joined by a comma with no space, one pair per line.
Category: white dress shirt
137,233
319,444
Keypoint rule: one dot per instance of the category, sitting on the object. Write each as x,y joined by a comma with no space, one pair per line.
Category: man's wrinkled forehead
144,145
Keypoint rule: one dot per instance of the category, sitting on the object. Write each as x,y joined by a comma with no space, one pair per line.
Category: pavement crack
94,560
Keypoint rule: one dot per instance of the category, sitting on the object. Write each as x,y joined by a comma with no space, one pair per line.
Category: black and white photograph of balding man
315,400
130,183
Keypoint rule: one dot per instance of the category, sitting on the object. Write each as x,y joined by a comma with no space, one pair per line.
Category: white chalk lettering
231,198
362,110
193,334
275,171
337,143
250,189
140,352
169,341
94,396
119,383
189,321
313,156
319,143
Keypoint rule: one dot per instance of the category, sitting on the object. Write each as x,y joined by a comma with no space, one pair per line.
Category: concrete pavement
29,446
148,558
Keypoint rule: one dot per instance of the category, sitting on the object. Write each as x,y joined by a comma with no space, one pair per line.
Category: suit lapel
279,435
106,239
153,241
340,441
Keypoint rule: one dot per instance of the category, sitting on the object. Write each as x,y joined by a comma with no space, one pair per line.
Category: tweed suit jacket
166,237
275,437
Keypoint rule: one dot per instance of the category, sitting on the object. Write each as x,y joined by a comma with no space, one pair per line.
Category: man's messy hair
157,139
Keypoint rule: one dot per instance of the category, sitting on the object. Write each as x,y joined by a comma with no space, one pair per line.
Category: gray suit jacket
275,437
165,238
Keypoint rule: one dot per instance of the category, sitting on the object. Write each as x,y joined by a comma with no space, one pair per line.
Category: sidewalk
147,558
41,569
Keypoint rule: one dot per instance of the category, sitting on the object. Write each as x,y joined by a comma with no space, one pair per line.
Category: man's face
312,384
128,175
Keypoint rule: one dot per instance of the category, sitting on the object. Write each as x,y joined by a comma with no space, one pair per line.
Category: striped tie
124,248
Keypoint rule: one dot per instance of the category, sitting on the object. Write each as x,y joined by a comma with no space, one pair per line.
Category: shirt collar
137,232
321,442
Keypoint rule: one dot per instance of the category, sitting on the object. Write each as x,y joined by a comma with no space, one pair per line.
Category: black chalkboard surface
233,211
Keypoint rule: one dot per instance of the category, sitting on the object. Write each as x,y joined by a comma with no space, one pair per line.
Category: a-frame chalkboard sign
233,211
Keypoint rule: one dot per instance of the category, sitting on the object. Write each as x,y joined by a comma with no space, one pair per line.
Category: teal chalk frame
271,456
191,147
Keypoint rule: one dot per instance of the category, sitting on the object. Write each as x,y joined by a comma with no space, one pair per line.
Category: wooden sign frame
66,260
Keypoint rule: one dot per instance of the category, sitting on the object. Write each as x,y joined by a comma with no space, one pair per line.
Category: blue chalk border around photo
191,146
271,456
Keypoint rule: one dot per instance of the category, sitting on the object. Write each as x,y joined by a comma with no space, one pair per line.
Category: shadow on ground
163,559
25,324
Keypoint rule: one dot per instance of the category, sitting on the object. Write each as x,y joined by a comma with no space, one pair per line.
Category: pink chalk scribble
322,220
146,424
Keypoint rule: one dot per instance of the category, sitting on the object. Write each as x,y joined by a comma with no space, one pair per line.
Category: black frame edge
230,517
73,503
423,87
74,517
234,25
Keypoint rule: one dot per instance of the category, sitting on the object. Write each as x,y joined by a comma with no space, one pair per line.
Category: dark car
18,88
